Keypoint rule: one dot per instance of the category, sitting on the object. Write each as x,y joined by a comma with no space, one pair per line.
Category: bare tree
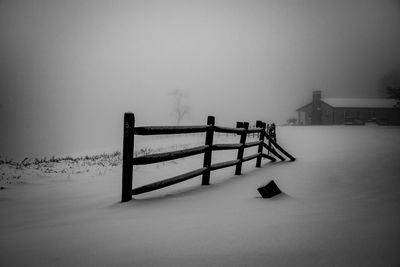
180,110
391,84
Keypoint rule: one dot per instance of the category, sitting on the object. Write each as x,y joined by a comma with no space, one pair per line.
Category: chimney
316,95
316,113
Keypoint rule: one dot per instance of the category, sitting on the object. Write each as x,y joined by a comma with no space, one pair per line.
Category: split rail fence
267,140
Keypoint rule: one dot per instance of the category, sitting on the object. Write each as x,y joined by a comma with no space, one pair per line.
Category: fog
70,69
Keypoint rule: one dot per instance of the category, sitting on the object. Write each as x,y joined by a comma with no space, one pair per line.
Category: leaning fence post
208,152
127,156
243,136
272,132
260,124
269,142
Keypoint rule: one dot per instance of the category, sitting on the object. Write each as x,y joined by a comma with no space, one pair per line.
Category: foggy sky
70,69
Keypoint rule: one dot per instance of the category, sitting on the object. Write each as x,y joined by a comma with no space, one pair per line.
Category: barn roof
360,102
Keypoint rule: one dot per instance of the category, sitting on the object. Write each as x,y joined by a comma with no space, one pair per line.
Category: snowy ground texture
341,207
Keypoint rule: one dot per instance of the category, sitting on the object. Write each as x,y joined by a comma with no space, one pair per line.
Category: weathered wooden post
208,152
260,124
243,136
127,156
269,142
272,132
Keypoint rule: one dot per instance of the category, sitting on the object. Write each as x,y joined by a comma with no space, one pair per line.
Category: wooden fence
266,133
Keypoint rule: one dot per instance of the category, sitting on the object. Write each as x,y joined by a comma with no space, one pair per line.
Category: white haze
70,69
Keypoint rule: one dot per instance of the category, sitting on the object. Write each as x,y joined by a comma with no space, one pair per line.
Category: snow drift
340,207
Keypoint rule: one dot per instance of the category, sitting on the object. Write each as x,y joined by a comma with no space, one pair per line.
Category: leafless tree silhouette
391,84
180,110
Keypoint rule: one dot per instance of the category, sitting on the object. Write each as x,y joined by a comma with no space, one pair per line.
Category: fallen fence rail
242,129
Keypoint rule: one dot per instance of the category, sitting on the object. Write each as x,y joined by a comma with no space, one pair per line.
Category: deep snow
340,207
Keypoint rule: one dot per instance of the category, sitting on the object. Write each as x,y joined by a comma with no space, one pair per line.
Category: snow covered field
340,208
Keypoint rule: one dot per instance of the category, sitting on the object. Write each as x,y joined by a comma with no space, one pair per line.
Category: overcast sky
70,69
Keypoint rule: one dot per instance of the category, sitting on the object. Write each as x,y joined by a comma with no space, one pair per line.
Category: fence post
260,124
243,136
208,152
269,142
272,132
127,157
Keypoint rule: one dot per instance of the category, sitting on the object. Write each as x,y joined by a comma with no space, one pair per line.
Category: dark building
323,111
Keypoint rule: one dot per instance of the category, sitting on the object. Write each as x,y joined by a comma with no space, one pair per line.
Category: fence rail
226,146
266,132
159,157
155,130
218,129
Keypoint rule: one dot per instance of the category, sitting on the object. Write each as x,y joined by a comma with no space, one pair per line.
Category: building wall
327,114
380,115
305,115
330,115
321,113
